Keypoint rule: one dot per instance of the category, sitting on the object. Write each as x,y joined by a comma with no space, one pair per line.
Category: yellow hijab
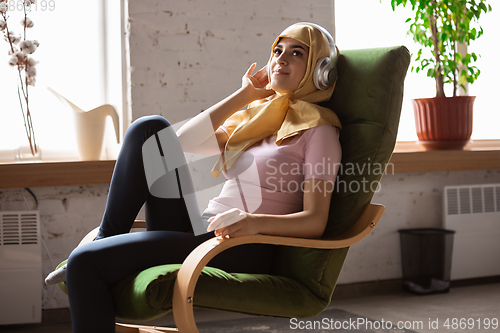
286,115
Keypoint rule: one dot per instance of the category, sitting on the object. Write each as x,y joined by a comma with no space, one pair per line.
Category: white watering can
89,127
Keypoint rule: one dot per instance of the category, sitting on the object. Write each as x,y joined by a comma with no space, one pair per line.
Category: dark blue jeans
95,267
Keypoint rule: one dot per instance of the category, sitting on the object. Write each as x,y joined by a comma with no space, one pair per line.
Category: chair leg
128,328
147,330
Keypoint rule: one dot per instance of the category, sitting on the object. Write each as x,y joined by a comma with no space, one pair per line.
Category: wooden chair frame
182,302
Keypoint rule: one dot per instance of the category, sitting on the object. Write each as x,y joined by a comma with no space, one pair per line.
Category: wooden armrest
90,236
129,328
139,224
191,268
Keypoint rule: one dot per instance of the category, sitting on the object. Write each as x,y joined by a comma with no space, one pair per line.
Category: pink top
276,184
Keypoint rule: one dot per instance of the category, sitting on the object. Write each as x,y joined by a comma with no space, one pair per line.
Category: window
79,56
372,23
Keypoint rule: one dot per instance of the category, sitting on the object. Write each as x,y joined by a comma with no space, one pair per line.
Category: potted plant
444,29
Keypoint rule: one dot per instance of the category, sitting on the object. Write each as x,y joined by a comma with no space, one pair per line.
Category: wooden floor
479,301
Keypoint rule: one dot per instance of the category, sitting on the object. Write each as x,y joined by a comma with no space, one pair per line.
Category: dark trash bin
426,259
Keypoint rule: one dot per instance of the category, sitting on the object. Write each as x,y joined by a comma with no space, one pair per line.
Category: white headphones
325,72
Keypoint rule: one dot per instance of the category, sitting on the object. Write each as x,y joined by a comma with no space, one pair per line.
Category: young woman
295,146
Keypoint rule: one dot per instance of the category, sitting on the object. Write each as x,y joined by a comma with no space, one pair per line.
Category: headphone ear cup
332,75
322,74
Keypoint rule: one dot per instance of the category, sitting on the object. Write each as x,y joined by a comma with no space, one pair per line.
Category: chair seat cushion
148,294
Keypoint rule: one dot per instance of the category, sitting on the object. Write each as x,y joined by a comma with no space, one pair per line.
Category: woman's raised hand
255,84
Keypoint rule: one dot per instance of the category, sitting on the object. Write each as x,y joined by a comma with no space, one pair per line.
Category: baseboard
369,288
380,287
60,315
475,281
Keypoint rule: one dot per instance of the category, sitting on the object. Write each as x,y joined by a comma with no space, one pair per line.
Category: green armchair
367,99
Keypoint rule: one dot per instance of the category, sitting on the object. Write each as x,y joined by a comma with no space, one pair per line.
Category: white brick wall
188,55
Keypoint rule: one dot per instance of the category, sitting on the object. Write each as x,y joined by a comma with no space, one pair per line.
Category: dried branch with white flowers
20,49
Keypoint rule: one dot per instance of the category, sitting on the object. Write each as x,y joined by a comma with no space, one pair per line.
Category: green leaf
483,7
473,33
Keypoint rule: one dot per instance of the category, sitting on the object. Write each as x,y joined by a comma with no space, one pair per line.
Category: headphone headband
328,36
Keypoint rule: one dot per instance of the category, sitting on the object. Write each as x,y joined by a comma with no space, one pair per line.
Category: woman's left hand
244,226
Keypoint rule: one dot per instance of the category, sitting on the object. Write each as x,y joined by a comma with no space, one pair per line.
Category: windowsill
407,157
476,155
46,174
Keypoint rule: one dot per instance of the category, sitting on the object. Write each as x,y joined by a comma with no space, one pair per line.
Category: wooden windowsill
476,155
45,174
407,157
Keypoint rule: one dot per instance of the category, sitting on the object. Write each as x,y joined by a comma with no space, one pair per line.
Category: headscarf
286,115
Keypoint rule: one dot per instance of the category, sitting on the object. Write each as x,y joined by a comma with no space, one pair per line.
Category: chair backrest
367,99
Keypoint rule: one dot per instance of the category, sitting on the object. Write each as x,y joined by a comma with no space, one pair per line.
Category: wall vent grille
474,199
473,211
19,228
20,267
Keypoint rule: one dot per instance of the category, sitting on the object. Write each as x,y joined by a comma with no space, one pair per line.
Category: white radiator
20,268
474,213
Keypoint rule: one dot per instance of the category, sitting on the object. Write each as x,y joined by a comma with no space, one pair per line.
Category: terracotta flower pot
444,122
